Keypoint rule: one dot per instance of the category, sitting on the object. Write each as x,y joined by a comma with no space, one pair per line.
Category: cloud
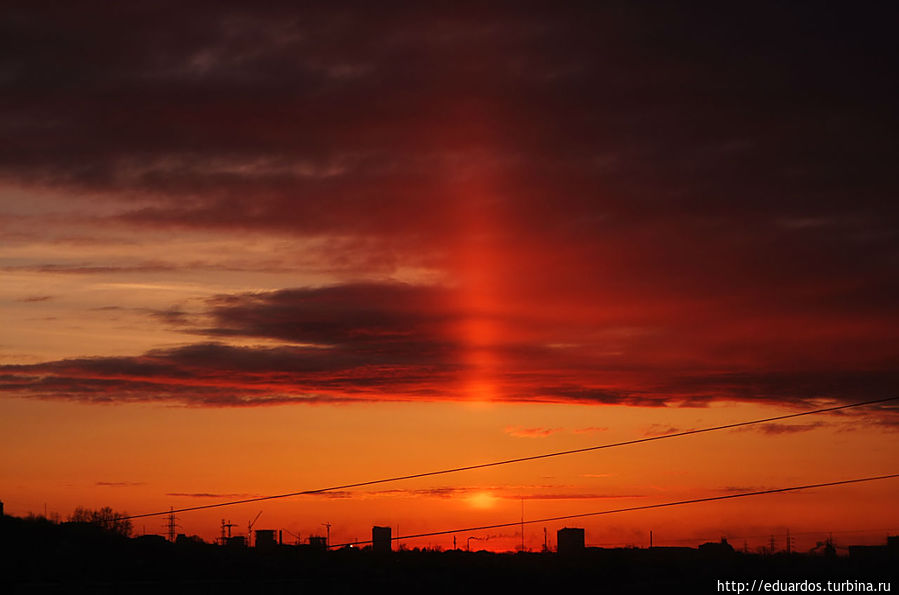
88,269
208,495
382,314
36,298
590,430
741,489
661,430
578,496
397,341
559,105
510,492
521,432
624,205
212,374
777,428
120,484
436,492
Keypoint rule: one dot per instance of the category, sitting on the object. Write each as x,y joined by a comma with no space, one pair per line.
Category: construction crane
250,528
228,526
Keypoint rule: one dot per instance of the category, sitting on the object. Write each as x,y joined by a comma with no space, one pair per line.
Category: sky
253,250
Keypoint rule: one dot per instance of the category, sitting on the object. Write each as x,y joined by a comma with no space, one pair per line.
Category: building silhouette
570,540
380,539
265,539
717,548
318,543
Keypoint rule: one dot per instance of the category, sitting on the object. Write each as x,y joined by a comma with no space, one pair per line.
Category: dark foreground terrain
42,557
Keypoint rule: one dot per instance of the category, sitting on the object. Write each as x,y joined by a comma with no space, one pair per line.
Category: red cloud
520,432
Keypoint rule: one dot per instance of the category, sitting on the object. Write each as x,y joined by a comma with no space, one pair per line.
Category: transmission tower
171,524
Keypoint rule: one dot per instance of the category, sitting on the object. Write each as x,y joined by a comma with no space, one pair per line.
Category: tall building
570,540
380,539
265,539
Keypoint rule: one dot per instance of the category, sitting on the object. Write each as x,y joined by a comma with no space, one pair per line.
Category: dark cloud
36,298
209,495
661,430
86,269
507,492
741,489
380,314
522,432
373,341
120,484
577,496
351,119
798,387
219,375
698,202
777,428
137,267
590,430
631,395
173,316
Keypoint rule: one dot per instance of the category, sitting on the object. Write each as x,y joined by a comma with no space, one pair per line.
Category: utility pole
771,543
789,544
545,544
650,539
522,524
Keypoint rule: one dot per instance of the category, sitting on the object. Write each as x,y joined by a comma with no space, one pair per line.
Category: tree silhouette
105,517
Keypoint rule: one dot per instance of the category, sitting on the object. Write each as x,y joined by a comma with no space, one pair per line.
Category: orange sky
263,250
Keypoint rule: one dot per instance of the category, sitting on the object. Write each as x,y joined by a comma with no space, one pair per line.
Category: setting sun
482,500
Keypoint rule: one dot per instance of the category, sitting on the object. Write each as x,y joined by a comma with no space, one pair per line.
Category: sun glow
482,500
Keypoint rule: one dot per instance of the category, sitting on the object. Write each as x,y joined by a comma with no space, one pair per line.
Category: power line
634,508
517,460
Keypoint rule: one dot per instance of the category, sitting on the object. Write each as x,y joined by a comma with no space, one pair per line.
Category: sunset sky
247,251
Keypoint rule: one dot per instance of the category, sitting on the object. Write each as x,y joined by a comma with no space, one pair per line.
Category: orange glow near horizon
211,456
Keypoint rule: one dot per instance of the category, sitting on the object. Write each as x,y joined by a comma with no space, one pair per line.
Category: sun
482,500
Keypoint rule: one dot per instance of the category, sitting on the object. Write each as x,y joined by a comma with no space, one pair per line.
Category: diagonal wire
634,508
516,460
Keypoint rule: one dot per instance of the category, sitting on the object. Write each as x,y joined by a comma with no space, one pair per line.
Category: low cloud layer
393,341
